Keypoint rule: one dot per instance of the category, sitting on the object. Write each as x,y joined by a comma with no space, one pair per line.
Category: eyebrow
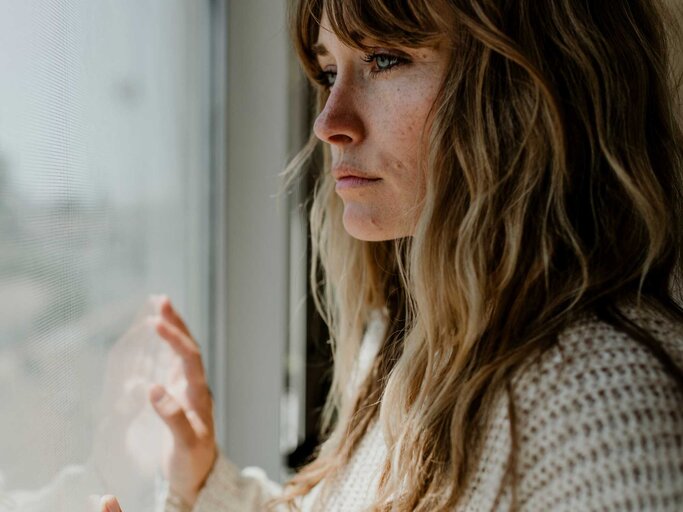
319,50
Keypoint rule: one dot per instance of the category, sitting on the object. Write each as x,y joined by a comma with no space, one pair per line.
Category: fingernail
109,503
156,393
153,320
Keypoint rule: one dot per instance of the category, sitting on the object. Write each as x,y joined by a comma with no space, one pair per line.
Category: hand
186,407
109,504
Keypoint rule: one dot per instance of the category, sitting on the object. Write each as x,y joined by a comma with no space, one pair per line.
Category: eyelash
323,77
396,60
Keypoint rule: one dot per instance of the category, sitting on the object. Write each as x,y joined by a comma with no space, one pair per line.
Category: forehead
360,28
325,33
328,39
324,24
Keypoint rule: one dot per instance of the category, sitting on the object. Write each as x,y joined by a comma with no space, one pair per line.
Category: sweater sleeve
601,428
229,490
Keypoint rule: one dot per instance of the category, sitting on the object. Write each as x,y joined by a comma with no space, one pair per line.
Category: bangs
410,23
404,23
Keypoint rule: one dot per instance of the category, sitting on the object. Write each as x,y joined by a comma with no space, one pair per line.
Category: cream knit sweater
600,427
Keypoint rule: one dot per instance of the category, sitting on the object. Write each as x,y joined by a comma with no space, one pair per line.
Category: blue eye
384,61
326,78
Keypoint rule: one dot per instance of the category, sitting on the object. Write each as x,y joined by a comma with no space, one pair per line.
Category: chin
367,229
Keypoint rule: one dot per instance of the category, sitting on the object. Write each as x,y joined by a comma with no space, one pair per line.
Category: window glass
104,198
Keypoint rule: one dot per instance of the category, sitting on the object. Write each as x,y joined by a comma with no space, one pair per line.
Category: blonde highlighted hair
554,173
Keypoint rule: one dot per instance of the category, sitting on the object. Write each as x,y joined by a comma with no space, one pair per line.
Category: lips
350,178
341,172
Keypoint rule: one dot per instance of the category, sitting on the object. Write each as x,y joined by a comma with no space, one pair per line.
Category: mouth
349,178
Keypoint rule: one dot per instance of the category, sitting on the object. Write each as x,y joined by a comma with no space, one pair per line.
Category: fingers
170,314
179,341
172,413
184,347
109,504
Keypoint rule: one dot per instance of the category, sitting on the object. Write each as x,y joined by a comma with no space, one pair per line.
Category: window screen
104,199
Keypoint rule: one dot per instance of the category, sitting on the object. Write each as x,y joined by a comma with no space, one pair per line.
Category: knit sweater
600,428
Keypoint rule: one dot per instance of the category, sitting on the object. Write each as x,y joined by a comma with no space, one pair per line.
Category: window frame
258,281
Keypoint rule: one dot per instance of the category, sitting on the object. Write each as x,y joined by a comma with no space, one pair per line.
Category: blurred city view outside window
104,199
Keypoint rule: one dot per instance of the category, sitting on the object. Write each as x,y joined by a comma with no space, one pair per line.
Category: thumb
172,413
109,504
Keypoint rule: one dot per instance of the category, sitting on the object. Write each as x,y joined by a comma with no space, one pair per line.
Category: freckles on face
374,120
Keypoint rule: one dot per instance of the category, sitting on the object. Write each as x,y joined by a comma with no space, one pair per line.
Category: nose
340,123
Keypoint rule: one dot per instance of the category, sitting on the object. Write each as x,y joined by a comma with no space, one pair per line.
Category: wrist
176,503
188,496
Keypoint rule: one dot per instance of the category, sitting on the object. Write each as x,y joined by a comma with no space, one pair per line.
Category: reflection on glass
103,199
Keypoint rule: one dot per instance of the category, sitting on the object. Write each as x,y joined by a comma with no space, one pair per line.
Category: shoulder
600,420
594,362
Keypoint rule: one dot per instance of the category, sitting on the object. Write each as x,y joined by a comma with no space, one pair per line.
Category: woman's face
373,120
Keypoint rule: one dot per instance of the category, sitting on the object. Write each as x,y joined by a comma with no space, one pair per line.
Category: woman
503,182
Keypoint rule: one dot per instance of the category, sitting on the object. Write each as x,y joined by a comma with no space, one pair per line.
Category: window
140,146
105,181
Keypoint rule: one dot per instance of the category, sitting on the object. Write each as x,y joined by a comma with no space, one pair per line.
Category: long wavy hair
554,170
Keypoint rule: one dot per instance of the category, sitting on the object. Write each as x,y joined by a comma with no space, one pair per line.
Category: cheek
402,123
398,120
403,142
